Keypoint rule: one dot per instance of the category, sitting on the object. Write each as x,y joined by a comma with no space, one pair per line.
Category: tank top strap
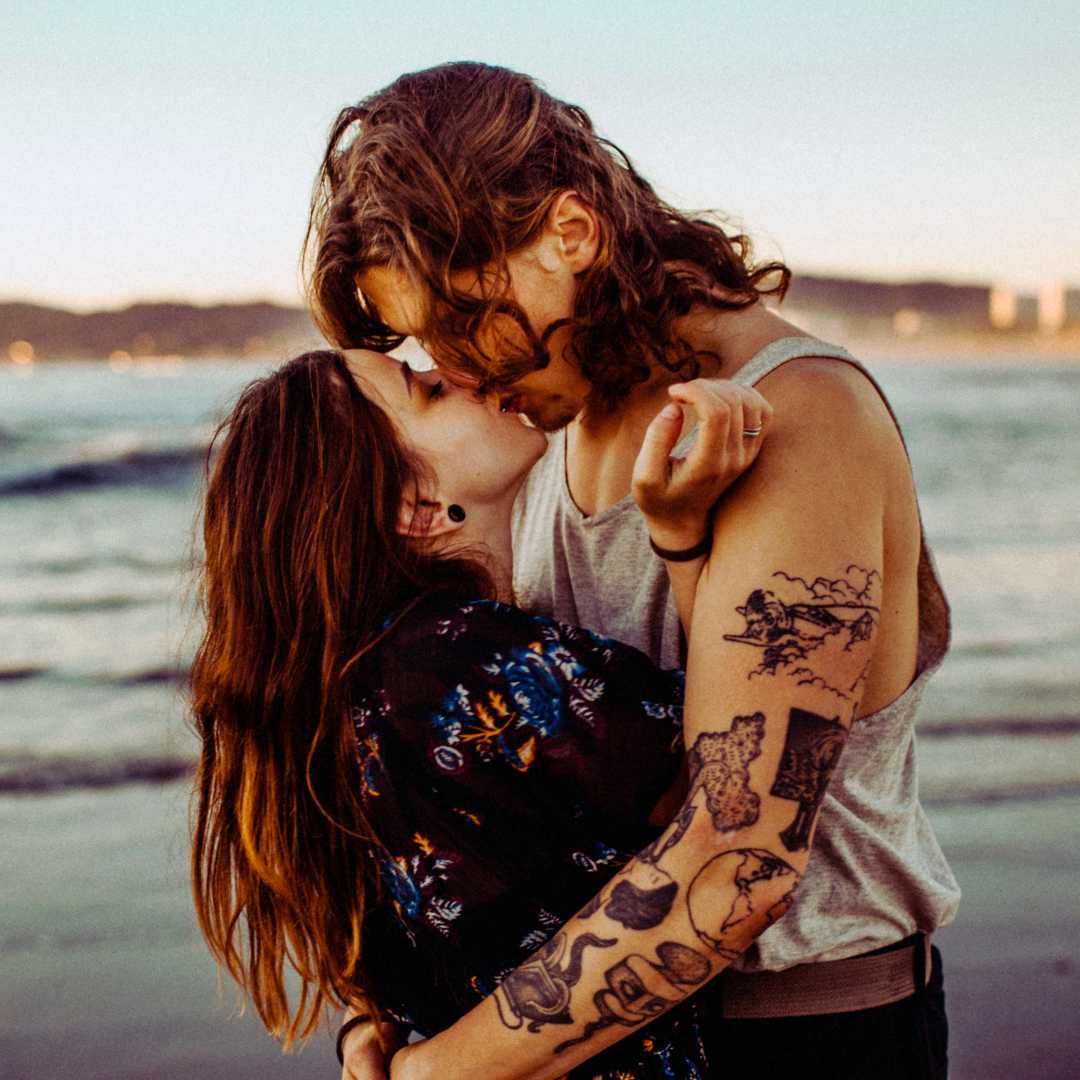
781,351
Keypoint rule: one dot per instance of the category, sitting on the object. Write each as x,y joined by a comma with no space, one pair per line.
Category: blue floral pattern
508,765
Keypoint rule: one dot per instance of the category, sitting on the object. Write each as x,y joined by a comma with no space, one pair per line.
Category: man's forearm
670,921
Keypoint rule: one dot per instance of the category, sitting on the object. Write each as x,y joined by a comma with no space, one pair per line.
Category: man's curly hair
456,167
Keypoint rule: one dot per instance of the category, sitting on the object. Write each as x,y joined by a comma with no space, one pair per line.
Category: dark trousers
907,1040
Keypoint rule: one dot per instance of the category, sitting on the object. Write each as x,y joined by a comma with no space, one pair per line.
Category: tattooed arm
786,619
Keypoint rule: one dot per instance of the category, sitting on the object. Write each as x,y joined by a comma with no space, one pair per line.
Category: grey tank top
876,873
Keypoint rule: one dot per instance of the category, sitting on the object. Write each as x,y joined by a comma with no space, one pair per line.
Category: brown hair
457,166
303,568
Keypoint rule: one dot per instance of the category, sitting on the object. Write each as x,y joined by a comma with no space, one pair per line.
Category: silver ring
751,433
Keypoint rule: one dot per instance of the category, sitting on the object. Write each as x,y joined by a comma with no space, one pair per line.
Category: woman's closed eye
435,390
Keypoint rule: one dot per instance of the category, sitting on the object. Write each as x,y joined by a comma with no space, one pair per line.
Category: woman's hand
367,1050
676,495
364,1055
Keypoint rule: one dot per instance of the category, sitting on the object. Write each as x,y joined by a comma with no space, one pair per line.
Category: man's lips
510,403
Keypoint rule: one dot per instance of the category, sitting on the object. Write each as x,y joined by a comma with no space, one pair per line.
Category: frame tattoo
811,750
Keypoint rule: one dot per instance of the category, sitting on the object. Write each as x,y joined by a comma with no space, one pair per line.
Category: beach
102,971
103,975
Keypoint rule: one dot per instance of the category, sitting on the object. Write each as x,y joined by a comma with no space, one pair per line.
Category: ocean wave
147,467
25,671
33,775
152,676
74,605
157,676
78,564
1000,725
987,796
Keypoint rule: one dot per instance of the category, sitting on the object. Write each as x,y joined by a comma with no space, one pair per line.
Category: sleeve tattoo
815,636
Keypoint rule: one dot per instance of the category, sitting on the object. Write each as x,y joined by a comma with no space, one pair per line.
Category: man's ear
424,519
574,226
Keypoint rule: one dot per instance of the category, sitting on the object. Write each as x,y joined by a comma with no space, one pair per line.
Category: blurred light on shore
907,322
120,360
21,352
1003,307
1051,308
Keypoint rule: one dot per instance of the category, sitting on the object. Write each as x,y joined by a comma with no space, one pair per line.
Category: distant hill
249,329
965,307
159,329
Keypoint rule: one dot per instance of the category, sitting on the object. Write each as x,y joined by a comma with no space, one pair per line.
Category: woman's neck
487,536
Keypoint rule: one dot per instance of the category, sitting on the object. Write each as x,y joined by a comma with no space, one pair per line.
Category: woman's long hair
456,167
303,568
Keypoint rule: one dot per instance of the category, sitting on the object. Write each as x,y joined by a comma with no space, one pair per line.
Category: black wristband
343,1033
703,547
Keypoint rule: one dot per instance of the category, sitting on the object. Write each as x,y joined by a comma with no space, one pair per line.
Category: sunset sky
155,150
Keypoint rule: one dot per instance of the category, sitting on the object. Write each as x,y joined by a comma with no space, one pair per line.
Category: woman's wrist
683,554
681,538
355,1030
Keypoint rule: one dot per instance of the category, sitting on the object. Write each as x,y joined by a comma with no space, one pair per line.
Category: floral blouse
508,764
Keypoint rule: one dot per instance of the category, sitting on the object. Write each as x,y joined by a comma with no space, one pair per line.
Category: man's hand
676,495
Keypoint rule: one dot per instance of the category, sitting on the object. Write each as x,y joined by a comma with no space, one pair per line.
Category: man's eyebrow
406,374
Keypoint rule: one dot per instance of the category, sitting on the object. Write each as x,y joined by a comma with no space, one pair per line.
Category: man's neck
724,342
734,337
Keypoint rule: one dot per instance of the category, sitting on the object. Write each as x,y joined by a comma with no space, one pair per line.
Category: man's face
544,289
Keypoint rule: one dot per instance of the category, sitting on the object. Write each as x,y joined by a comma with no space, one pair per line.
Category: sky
160,151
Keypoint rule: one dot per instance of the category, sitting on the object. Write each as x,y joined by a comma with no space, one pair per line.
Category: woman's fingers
714,415
726,413
651,467
676,495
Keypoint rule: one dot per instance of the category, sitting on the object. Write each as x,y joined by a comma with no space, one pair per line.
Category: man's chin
550,420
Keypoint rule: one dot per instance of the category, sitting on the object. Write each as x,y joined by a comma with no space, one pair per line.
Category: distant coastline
909,320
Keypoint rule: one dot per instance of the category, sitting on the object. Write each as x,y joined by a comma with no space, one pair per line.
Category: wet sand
103,975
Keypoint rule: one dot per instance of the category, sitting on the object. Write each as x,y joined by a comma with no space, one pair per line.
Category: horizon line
250,300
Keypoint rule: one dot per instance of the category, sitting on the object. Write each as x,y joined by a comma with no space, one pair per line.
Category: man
476,213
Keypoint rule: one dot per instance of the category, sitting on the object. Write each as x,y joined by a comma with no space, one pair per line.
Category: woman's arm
782,643
368,1047
677,496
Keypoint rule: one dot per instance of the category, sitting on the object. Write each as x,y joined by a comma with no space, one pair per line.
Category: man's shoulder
831,404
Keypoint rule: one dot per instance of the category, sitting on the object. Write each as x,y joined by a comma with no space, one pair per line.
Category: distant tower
1051,308
1003,307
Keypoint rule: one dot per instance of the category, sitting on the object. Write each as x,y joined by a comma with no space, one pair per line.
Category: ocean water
99,475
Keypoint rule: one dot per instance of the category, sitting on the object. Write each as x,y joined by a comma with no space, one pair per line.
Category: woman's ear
425,519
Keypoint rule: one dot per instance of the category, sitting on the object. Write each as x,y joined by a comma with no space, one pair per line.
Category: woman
357,529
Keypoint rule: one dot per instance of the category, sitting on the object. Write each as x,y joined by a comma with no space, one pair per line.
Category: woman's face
477,454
